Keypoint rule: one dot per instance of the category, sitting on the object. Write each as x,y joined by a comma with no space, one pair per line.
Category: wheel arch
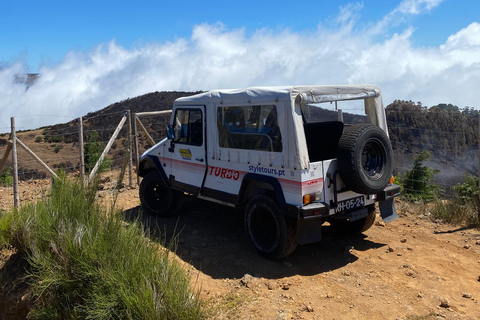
254,184
149,164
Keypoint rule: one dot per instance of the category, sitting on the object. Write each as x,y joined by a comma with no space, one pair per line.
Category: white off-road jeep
290,156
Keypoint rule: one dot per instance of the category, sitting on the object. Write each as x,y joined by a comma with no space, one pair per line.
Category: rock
467,295
271,285
286,286
410,273
444,303
390,249
347,273
380,224
309,308
247,280
467,246
477,242
403,240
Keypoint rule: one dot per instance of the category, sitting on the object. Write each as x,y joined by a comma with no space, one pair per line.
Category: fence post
135,147
107,148
81,150
130,154
13,137
30,152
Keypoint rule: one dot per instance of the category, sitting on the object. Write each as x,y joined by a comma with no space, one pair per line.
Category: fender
151,163
251,178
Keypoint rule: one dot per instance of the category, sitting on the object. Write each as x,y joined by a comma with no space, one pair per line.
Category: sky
90,54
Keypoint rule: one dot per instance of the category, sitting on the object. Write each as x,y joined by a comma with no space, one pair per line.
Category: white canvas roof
289,100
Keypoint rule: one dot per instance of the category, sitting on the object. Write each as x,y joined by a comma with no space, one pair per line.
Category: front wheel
270,233
157,198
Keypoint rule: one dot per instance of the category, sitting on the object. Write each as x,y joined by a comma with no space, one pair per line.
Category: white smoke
218,57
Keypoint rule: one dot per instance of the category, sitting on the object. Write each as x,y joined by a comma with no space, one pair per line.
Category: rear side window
249,127
188,126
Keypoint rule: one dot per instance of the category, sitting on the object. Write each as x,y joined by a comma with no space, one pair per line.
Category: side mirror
170,132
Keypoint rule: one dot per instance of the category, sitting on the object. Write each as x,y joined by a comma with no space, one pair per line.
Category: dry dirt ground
413,268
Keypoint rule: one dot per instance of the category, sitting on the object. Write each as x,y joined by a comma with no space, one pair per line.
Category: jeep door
187,165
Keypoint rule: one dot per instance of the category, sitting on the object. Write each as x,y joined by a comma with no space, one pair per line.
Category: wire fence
453,153
40,152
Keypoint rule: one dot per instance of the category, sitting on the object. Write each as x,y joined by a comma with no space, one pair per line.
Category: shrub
92,152
468,190
417,182
6,178
88,265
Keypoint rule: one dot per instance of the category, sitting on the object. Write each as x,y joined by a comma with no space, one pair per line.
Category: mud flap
387,210
309,230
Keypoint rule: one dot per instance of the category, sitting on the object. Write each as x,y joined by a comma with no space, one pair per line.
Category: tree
417,182
93,150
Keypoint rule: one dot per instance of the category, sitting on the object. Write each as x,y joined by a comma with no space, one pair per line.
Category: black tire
357,226
365,159
270,233
157,198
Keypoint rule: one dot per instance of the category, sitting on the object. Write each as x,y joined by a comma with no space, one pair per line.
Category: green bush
92,152
417,182
6,178
57,148
88,265
52,139
468,190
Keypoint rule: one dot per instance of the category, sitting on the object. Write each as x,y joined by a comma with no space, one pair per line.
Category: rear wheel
157,198
270,233
357,226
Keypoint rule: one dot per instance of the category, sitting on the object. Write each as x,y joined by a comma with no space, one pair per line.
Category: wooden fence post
13,137
30,152
130,154
107,148
135,147
81,150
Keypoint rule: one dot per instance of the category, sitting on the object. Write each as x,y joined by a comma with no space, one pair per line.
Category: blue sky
93,53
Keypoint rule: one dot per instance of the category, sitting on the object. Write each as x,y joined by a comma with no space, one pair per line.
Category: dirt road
412,268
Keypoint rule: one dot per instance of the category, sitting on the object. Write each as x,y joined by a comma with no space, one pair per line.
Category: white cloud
217,57
416,7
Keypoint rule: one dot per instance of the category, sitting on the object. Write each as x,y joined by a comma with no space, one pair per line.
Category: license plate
350,204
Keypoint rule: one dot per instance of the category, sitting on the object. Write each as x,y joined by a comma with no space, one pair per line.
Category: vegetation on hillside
444,130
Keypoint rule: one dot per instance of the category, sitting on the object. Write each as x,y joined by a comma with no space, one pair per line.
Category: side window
188,126
249,127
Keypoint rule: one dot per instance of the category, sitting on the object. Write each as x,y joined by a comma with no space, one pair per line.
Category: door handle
199,159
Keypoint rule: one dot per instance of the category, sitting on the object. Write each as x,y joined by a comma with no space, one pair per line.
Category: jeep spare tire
365,158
